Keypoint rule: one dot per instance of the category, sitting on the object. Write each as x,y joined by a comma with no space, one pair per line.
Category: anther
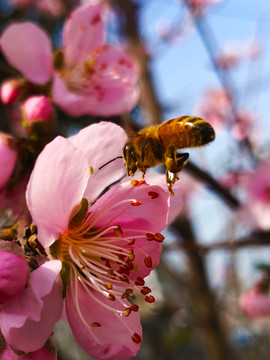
95,324
124,279
118,231
148,261
139,281
150,236
136,338
134,307
150,299
136,203
131,242
153,194
159,237
145,290
134,182
111,272
127,311
108,286
129,264
111,297
131,254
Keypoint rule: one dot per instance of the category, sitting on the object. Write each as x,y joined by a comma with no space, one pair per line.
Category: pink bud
14,270
37,109
8,157
13,90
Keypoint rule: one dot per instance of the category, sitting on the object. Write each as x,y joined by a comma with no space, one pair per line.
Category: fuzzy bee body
159,144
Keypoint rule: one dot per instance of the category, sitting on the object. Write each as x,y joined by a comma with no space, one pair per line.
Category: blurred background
207,58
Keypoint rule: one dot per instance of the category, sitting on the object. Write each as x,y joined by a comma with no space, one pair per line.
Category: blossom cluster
86,236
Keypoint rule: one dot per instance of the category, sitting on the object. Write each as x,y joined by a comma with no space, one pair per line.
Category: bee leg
171,167
174,163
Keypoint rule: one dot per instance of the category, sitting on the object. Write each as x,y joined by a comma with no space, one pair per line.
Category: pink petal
114,63
27,320
8,157
147,206
28,49
14,270
101,143
83,32
177,201
112,340
56,187
150,214
106,97
42,354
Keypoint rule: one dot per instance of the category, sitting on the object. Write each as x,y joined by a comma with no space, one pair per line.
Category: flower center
102,257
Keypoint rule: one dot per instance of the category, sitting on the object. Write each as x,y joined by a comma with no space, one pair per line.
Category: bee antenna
117,157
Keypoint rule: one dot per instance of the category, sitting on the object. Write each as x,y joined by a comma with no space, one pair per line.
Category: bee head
130,158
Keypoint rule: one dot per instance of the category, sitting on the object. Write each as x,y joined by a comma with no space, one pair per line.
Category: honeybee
159,144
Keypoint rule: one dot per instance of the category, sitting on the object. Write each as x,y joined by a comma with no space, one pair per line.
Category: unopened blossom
106,245
13,90
255,302
37,108
88,76
38,116
14,270
8,158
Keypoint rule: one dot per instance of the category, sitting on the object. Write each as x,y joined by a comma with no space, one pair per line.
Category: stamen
136,338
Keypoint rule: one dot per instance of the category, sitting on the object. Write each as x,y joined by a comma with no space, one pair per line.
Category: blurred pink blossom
199,6
256,209
255,302
52,7
244,125
215,107
229,58
107,244
14,270
8,158
88,76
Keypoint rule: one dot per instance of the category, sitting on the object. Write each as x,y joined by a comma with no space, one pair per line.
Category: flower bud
8,157
37,109
14,270
13,90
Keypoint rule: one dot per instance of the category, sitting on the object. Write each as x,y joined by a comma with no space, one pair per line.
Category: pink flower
106,244
255,302
14,270
88,76
8,158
